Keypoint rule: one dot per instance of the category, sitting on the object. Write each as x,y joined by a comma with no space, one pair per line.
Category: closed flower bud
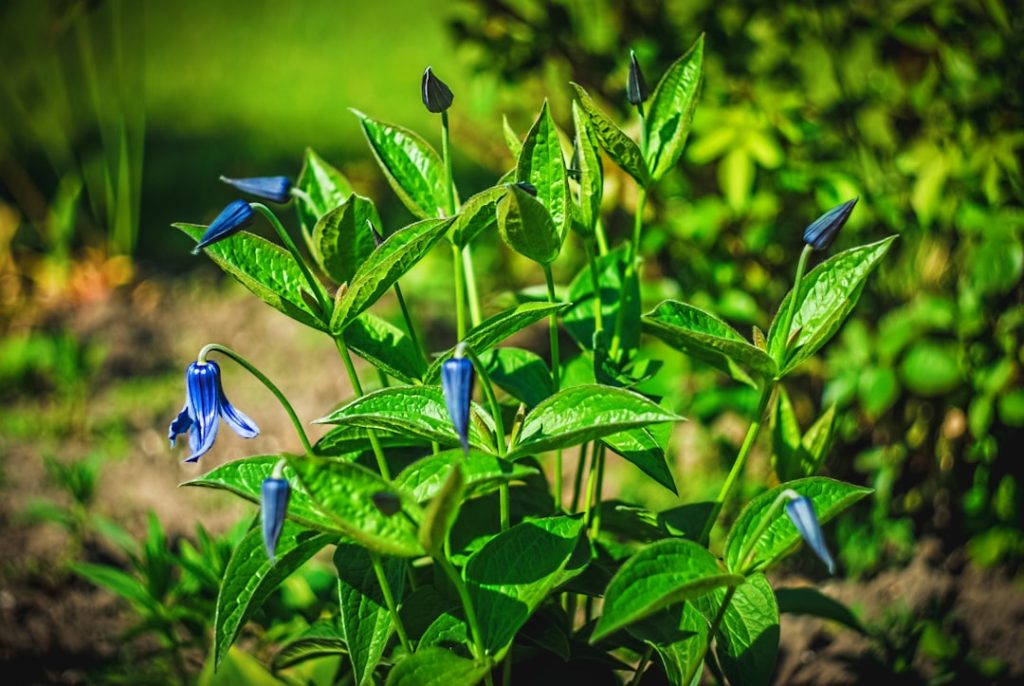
801,513
437,97
457,384
274,495
232,219
822,232
636,86
377,238
272,188
526,187
387,503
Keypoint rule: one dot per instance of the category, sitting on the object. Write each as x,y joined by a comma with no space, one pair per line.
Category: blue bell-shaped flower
457,384
272,188
820,234
636,86
274,495
232,219
205,405
437,97
801,513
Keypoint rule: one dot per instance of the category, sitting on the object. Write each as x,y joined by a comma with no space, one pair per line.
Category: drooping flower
437,97
232,219
820,234
636,86
205,405
801,513
457,384
274,495
272,188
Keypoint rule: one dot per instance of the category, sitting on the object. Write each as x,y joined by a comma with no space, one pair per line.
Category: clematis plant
461,554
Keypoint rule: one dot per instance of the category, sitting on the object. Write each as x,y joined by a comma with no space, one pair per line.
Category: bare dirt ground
54,627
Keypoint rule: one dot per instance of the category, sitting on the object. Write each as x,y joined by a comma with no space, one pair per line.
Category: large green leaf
251,576
343,239
351,440
643,450
418,411
664,573
118,582
267,270
496,329
326,188
437,667
707,338
795,456
672,106
320,639
505,594
541,164
413,168
527,227
679,634
363,617
393,258
591,174
386,347
827,297
583,413
483,473
747,641
830,497
475,216
620,147
344,492
245,477
808,600
615,291
520,373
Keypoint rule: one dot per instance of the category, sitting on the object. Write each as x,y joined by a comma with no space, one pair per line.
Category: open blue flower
272,188
205,405
801,513
232,219
457,384
274,495
820,234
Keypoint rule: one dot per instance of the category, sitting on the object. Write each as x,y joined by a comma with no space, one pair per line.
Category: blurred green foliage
913,106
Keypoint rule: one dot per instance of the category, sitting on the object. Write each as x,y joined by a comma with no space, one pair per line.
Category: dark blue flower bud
273,507
527,187
272,188
636,86
437,97
387,503
801,513
457,384
573,170
822,232
235,217
377,237
205,406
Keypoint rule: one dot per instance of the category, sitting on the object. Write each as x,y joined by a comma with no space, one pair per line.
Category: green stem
460,293
389,600
787,321
747,552
644,659
740,462
408,321
475,315
467,604
577,483
632,273
595,525
602,240
446,153
595,283
249,367
692,672
357,387
315,286
555,374
499,427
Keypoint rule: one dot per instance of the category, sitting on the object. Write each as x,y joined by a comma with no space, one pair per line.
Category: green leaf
393,258
118,582
817,442
620,147
496,329
320,639
664,573
250,577
476,216
541,164
520,373
615,291
448,630
437,667
830,497
643,450
326,188
707,338
747,641
583,413
671,112
512,140
483,473
811,601
526,226
442,511
418,411
591,174
785,439
827,297
344,492
386,347
349,440
363,618
413,168
679,634
245,478
267,270
504,595
343,239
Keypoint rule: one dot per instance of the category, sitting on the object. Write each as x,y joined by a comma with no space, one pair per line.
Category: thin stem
787,321
466,255
357,387
315,286
249,367
644,659
595,524
389,600
492,399
460,293
632,272
467,603
692,671
475,315
577,483
747,552
555,374
408,321
446,153
602,240
591,484
595,283
506,670
739,463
